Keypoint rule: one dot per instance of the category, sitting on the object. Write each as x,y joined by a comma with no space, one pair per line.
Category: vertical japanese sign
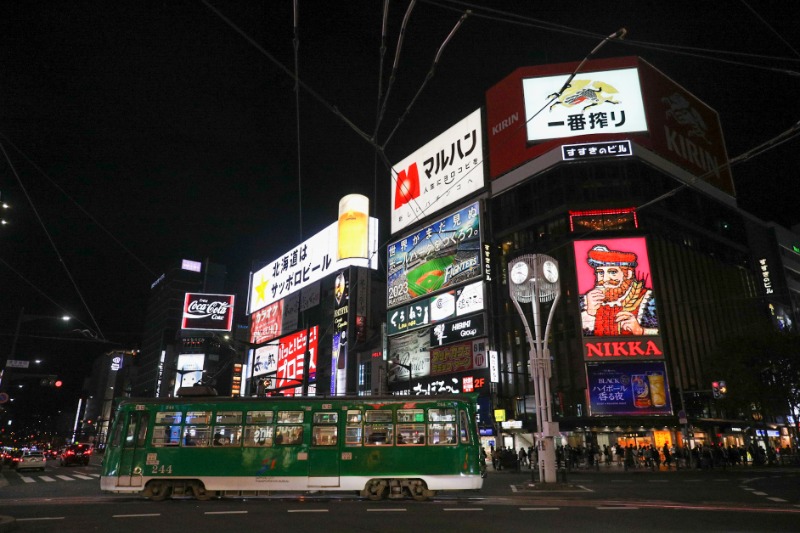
341,311
292,360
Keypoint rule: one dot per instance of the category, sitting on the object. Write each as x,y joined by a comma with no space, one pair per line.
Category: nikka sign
208,311
609,349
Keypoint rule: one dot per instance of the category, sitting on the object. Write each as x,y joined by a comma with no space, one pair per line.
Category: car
76,454
29,461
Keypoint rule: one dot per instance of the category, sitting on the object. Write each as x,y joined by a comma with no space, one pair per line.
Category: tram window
441,433
326,418
441,415
410,415
198,417
144,421
131,433
378,434
353,416
463,427
228,417
290,417
168,417
227,435
259,417
115,437
378,416
287,435
353,435
410,434
166,435
324,436
258,435
196,436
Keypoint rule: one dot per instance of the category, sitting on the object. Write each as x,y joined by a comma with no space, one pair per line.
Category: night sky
137,133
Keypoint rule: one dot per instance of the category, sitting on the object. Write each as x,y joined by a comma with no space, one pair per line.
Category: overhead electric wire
50,239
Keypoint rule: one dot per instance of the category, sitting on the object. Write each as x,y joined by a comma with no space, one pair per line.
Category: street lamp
395,362
534,279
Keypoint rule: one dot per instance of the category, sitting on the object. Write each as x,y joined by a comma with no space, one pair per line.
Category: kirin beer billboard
208,312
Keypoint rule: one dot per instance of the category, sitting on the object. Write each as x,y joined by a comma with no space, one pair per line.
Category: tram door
323,456
131,461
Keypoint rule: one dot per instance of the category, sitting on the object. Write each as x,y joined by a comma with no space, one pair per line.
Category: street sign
16,363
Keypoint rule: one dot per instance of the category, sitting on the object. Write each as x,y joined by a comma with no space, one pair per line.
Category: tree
762,373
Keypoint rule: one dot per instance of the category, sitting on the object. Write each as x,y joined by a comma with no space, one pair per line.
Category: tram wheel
200,492
159,491
376,489
419,491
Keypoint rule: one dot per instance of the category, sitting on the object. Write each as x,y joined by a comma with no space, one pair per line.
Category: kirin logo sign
208,312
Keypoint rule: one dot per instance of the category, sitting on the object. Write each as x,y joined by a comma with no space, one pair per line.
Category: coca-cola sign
208,312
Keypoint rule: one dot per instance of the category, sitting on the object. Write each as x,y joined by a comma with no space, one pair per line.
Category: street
744,499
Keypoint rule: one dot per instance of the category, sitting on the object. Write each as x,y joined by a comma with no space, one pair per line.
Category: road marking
540,508
774,499
621,481
693,480
143,515
226,512
81,476
400,509
463,509
43,478
65,478
748,488
658,480
308,510
757,493
615,508
40,518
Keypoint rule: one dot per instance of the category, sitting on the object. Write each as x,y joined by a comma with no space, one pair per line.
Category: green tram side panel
386,459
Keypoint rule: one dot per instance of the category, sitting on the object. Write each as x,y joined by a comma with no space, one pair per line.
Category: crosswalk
52,478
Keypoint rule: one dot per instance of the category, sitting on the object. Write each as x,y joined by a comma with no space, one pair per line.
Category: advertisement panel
208,311
602,101
292,361
442,255
617,303
412,350
462,301
639,388
305,264
457,330
675,125
265,360
189,370
445,170
341,312
265,324
460,357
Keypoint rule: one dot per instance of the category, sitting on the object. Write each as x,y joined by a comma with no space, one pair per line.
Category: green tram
377,446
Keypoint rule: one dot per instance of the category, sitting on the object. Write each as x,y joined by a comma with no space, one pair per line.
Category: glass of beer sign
353,226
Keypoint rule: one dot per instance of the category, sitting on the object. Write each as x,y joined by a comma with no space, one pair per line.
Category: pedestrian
667,456
523,457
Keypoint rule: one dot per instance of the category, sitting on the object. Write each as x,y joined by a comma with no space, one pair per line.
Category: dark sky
140,132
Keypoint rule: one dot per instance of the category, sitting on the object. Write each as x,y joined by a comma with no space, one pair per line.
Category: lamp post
407,367
534,279
20,319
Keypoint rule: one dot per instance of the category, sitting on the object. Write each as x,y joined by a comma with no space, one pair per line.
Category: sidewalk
614,468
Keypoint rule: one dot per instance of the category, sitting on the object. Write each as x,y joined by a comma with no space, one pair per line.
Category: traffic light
723,389
716,389
51,381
